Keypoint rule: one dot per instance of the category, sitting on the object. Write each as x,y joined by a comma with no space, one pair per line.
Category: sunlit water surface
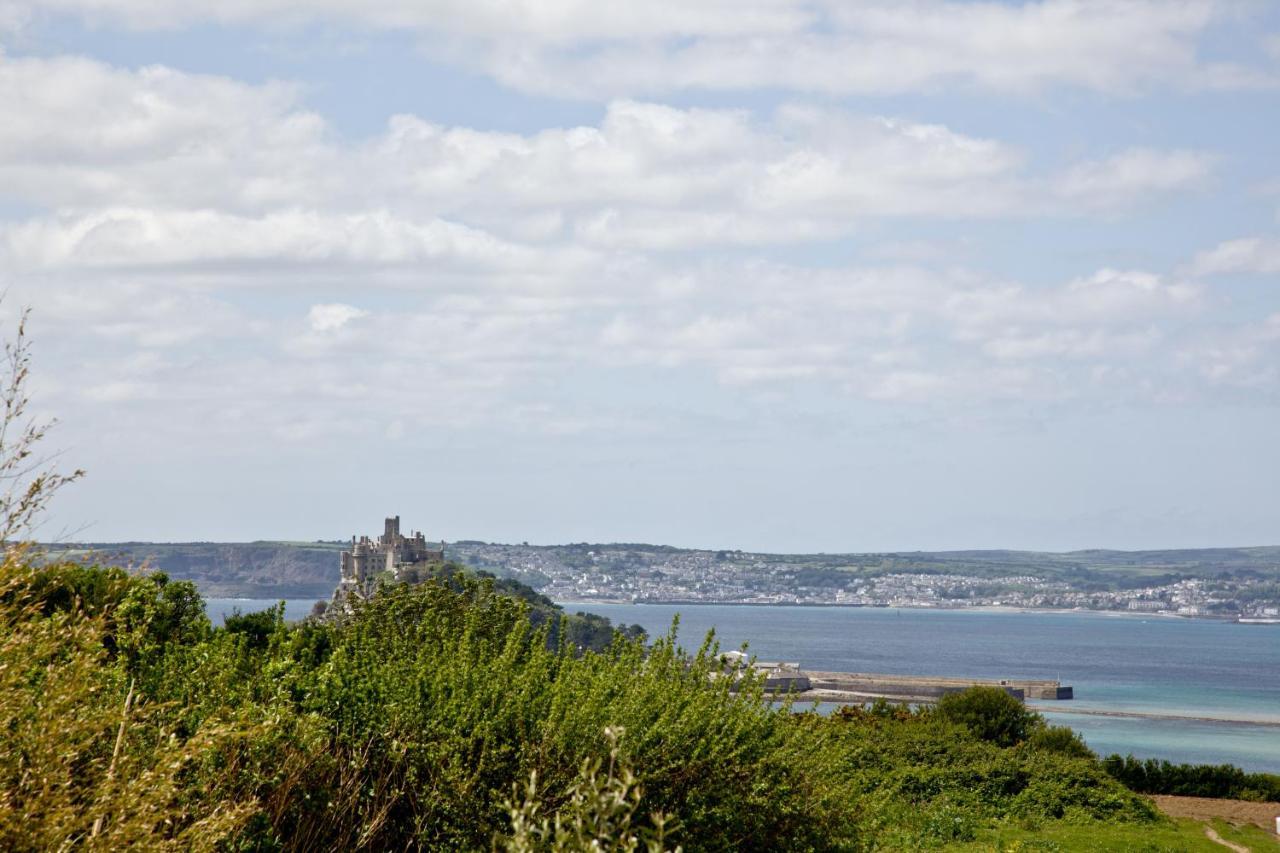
1155,665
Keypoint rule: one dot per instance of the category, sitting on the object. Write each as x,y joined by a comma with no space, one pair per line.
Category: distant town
1219,583
1091,581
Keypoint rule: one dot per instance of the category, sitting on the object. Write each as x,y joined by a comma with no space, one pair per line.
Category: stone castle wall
368,560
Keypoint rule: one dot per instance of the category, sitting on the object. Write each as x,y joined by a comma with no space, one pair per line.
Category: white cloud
547,21
612,48
333,316
119,392
1247,255
1132,174
905,385
1069,343
463,359
134,238
1244,358
908,334
79,132
880,47
138,317
1103,301
155,206
157,167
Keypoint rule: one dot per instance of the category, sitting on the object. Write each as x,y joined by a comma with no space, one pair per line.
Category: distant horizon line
96,545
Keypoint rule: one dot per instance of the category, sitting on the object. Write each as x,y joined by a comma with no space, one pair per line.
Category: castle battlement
386,557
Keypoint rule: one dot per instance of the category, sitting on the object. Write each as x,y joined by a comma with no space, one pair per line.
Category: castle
388,556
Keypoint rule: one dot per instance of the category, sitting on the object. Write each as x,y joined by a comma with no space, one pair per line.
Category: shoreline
1150,715
846,697
978,608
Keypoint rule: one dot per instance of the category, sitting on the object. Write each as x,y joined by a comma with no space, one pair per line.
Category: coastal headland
1226,584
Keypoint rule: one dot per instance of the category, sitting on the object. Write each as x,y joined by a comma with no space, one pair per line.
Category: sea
220,608
1187,690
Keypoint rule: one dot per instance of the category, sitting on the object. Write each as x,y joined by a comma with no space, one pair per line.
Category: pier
861,687
853,687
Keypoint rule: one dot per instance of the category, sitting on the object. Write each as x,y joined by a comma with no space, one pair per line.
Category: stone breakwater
860,687
1152,715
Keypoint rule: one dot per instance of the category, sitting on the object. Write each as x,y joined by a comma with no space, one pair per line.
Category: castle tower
360,562
368,559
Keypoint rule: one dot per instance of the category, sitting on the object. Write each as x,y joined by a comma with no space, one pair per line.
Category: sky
783,275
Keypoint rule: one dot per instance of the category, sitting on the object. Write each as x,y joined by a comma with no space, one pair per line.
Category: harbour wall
863,687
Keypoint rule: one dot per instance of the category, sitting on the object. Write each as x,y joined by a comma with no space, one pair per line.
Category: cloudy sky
777,274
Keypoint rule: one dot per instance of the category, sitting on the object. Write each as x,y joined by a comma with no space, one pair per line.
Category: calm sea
1187,667
220,608
1140,665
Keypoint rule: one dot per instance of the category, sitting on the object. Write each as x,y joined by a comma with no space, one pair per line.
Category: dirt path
1218,839
1232,811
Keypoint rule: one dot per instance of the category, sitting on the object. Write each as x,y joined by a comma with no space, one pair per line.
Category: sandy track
1218,839
1232,811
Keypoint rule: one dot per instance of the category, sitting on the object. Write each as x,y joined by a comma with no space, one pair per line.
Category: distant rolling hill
310,569
226,569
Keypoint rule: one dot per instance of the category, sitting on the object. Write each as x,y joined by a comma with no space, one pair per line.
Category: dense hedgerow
1220,781
926,779
440,716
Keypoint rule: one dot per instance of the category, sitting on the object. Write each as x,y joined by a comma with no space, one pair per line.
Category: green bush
1222,781
991,714
947,822
599,815
911,762
1059,739
421,720
257,628
1078,790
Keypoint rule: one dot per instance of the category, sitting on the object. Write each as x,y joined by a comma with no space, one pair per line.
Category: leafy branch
28,479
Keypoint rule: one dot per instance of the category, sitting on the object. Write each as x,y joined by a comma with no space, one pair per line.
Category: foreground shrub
472,700
990,714
440,716
85,760
404,725
926,781
600,815
1076,790
1059,739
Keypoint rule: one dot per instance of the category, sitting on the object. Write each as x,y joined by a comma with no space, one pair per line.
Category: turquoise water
1152,665
1143,665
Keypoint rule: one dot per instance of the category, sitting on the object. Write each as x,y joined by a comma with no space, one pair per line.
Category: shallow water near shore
1165,667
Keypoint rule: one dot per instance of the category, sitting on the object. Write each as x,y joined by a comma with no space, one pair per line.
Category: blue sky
773,274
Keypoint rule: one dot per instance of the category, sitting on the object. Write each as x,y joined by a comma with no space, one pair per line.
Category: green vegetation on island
579,631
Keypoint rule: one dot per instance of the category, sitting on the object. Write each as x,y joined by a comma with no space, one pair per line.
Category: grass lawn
1180,835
